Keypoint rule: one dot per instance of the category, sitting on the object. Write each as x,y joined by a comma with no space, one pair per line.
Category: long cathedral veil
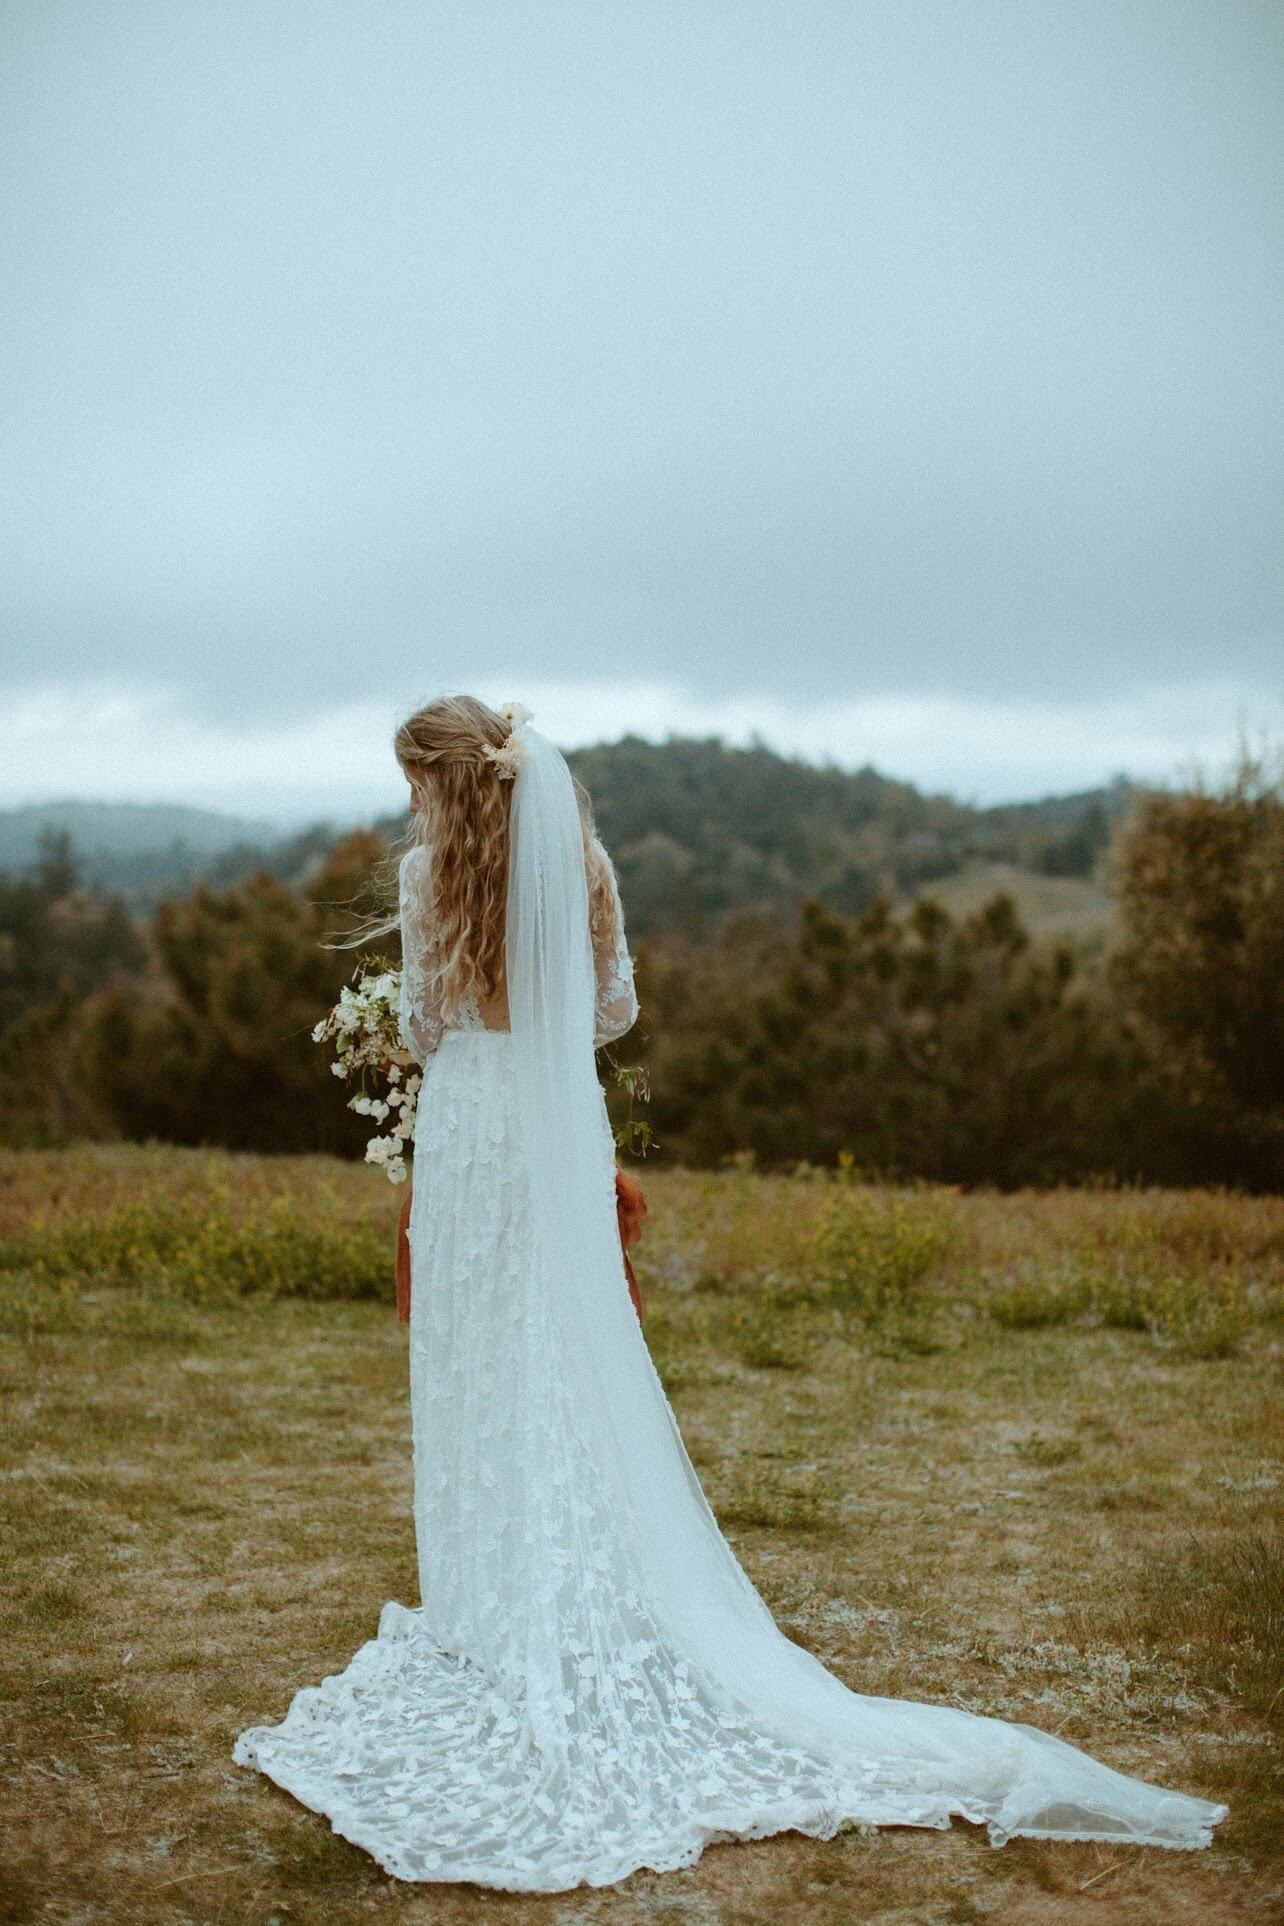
1010,1776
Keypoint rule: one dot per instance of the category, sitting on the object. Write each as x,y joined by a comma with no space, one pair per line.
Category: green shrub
206,1253
1039,1303
1197,1316
873,1250
1201,1317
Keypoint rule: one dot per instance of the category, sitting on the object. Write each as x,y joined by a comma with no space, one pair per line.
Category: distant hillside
138,850
697,830
124,828
1064,906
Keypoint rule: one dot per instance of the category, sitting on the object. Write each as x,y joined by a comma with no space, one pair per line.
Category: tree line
922,1043
698,829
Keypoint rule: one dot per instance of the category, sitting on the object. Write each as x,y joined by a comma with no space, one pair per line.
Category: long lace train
546,1717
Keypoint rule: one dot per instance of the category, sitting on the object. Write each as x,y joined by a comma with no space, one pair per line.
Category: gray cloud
800,350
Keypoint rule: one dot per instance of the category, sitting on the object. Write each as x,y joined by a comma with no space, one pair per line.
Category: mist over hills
125,828
697,830
145,851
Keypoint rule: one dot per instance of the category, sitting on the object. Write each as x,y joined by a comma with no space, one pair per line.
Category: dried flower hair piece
509,756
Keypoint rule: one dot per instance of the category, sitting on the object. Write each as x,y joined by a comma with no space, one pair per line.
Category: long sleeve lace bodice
422,1020
616,1008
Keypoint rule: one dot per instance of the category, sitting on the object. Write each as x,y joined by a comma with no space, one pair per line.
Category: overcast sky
898,379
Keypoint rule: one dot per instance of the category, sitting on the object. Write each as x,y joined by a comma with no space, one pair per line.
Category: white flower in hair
509,756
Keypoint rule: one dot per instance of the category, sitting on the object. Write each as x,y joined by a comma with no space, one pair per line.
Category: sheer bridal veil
930,1760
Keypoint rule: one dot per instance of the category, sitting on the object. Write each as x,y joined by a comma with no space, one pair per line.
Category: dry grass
1054,906
1067,1513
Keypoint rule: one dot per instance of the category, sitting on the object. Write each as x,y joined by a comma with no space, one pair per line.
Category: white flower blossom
365,1029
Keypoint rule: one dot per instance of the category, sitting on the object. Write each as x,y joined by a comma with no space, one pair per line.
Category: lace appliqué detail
528,1726
617,1004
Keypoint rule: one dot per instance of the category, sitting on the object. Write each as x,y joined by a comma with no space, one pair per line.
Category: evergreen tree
1200,887
224,1053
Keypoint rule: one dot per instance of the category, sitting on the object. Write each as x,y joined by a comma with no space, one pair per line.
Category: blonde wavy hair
462,824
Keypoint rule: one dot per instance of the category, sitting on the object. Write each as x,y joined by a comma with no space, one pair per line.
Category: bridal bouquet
365,1028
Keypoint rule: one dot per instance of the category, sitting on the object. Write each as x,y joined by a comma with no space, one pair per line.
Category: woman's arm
420,1015
616,1008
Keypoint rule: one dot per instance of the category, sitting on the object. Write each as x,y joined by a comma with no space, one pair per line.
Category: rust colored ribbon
630,1209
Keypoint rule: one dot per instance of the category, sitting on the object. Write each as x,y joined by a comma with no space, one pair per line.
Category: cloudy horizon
901,386
338,764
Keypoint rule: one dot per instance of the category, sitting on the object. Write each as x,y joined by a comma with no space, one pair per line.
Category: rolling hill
698,830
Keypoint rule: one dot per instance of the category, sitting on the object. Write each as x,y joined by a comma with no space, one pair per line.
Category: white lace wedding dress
580,1694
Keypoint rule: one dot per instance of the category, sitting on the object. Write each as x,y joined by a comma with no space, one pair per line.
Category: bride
590,1683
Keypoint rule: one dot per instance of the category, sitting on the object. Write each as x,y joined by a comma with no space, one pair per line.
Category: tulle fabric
591,1683
1018,1778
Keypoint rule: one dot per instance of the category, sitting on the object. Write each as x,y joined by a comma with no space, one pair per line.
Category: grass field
1022,1454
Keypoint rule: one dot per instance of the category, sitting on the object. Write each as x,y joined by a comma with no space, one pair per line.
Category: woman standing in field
590,1684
